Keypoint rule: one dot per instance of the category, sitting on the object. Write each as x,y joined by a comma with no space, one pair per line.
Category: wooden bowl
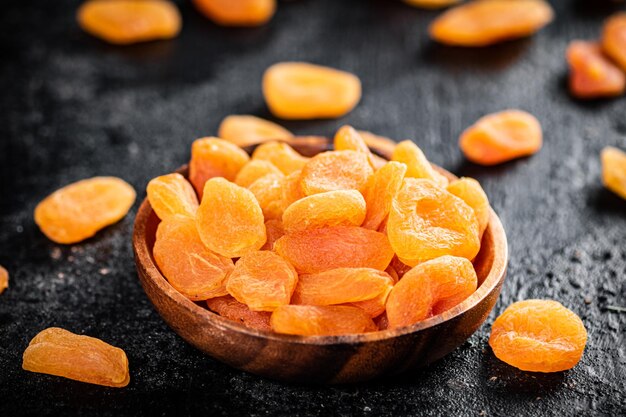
322,359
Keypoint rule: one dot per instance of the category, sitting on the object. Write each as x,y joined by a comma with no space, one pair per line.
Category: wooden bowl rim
145,262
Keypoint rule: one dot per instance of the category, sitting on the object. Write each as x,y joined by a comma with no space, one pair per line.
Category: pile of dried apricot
341,242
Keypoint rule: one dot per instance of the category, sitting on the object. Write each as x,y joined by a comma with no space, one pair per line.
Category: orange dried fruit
348,139
298,90
129,21
55,351
189,266
283,156
374,307
614,170
318,250
79,210
377,142
614,39
233,310
262,280
268,191
4,279
417,165
502,136
274,230
429,289
172,194
320,320
538,336
292,191
485,22
592,75
381,188
431,4
426,222
229,220
244,130
332,208
255,169
214,157
470,191
335,170
237,12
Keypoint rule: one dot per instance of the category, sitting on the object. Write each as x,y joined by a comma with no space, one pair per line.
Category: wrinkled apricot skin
614,39
538,336
254,170
274,230
244,130
4,279
335,170
298,90
229,220
189,266
268,191
592,75
281,155
429,289
501,137
79,210
292,189
486,22
55,351
431,4
417,165
321,320
214,157
470,191
614,170
124,22
237,12
262,280
172,194
233,310
381,188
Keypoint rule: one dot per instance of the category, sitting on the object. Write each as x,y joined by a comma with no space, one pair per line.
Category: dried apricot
292,191
614,170
377,142
348,139
283,156
538,336
500,137
244,130
189,266
429,289
233,310
4,279
417,165
79,210
381,188
318,250
321,320
172,194
229,220
332,208
335,170
237,12
592,75
262,280
470,191
214,157
274,230
431,4
614,39
55,351
374,307
485,22
255,169
129,21
298,90
268,191
427,222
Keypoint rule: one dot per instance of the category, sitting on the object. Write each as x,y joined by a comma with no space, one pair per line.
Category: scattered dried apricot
592,75
237,12
4,279
538,336
244,130
172,194
614,39
321,320
470,191
283,156
381,188
417,165
335,170
232,309
614,170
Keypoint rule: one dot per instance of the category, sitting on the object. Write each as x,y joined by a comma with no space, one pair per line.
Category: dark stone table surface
72,107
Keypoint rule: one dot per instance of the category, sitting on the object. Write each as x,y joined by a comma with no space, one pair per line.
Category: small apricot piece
283,156
485,22
321,320
255,169
332,208
274,230
213,157
189,266
233,310
538,336
614,170
470,191
614,39
317,250
124,22
381,188
268,191
429,289
55,351
592,75
79,210
244,130
335,170
348,139
298,90
292,190
172,194
426,222
431,4
502,136
229,220
262,280
4,279
418,166
237,12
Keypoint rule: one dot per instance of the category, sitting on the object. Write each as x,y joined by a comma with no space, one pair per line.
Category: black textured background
72,107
